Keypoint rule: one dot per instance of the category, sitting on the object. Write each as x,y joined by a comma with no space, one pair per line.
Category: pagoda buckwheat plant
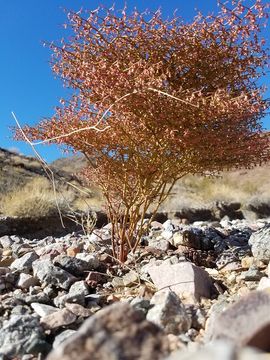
157,99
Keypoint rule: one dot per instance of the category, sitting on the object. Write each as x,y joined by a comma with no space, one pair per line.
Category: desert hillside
23,180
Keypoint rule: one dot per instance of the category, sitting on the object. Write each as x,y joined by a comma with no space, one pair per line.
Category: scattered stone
182,278
118,331
20,335
57,319
48,273
168,312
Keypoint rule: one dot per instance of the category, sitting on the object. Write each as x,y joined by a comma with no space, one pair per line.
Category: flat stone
246,322
43,309
182,278
168,312
57,319
115,332
48,273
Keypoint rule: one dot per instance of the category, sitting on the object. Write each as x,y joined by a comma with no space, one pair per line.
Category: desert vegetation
155,100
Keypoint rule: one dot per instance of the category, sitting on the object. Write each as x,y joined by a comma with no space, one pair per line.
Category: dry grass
33,200
244,186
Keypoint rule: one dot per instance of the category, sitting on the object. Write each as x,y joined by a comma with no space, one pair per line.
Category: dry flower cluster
157,99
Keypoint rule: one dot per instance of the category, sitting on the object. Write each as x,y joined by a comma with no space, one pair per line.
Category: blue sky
27,85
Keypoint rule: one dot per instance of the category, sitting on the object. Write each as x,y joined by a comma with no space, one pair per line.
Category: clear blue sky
27,85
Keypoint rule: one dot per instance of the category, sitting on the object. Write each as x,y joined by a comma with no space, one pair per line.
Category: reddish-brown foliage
168,97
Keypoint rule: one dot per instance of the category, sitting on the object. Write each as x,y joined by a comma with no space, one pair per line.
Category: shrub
157,99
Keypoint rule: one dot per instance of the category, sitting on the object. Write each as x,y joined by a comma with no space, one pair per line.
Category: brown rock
116,332
6,261
73,250
246,322
58,318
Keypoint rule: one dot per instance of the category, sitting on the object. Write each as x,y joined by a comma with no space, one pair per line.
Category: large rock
47,273
169,313
116,332
260,244
21,335
246,322
183,278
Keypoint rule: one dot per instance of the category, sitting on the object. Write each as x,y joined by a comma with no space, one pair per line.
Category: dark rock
22,334
73,265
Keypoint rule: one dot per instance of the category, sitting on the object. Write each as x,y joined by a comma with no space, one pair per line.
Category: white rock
264,284
43,309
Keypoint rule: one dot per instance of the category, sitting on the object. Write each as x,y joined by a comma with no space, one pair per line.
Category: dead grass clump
35,199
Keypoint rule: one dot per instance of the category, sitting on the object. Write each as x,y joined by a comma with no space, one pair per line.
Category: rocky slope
191,291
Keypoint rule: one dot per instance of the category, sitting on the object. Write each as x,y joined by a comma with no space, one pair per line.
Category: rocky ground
191,291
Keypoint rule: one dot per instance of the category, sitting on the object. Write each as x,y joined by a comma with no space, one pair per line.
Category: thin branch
173,97
94,127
